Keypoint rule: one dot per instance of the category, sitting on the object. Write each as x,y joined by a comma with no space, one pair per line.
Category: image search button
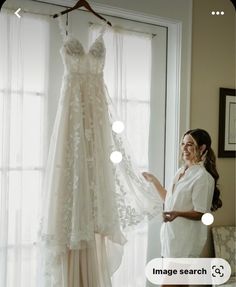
188,271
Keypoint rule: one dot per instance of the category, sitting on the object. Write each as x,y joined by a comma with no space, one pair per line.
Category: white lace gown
88,201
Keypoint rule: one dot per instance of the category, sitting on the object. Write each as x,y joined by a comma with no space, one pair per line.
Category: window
127,76
23,96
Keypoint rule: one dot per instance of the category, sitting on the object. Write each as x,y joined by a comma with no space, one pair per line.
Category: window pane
137,129
31,195
15,129
28,35
129,86
32,130
137,59
26,130
21,266
24,198
34,53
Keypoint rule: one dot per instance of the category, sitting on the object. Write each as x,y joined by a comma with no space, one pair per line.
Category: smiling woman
189,150
193,193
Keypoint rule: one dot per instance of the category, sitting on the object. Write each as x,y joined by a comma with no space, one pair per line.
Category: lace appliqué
73,48
98,49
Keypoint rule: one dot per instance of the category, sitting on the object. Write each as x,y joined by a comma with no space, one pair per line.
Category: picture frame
227,123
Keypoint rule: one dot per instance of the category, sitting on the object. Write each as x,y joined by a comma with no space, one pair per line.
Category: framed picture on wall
227,123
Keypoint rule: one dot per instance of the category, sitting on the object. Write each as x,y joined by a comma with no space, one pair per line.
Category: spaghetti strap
101,27
104,27
63,26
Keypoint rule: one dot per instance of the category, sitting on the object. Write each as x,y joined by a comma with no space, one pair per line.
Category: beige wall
213,66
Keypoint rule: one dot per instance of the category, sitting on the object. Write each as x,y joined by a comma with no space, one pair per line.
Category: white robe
194,191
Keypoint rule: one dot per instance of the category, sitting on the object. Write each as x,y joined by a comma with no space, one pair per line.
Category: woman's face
188,149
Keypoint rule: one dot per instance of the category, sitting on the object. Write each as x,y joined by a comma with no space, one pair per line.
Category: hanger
85,4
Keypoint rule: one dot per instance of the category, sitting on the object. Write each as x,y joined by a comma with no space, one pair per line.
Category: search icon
217,271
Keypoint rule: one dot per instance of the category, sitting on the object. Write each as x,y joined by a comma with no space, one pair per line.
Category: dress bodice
77,61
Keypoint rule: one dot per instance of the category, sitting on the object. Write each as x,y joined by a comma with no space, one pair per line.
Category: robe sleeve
202,194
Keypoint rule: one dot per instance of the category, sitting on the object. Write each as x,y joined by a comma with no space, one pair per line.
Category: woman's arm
192,215
151,178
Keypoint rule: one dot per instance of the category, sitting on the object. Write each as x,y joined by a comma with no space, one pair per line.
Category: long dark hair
201,137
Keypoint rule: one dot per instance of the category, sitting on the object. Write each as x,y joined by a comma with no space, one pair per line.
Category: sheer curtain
127,74
23,62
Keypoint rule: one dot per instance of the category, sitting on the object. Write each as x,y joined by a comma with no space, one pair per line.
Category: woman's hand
169,216
151,178
148,176
192,215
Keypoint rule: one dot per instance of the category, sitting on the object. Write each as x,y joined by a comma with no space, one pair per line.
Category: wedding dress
89,202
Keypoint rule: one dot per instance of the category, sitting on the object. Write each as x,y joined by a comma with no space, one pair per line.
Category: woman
194,191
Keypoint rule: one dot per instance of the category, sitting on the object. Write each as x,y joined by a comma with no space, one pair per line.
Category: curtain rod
129,30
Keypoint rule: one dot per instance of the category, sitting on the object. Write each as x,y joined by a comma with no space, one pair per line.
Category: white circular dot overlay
118,127
217,13
116,157
213,13
222,12
207,218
